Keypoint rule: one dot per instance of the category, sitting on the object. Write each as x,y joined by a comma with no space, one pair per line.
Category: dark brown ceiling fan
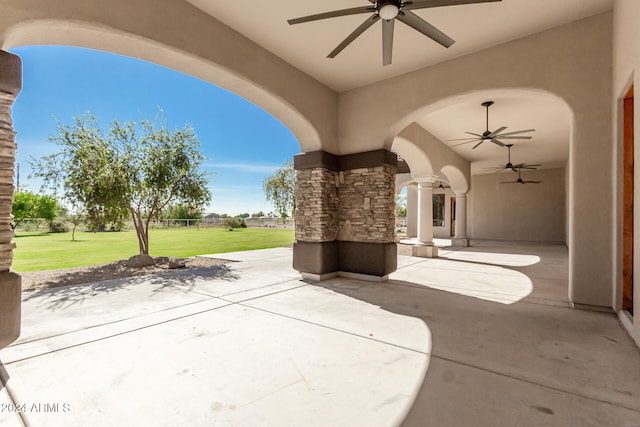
388,11
509,165
496,136
520,180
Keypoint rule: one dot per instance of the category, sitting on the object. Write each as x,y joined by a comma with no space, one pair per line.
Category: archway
266,94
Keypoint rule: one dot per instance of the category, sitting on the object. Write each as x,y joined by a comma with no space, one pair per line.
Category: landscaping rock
170,263
140,261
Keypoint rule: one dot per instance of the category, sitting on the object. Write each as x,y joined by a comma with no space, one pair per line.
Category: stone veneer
10,282
345,220
7,163
316,205
367,205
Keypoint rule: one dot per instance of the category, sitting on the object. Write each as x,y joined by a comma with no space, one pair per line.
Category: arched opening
65,33
240,150
496,210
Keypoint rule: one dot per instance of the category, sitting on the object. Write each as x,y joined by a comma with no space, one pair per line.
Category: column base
323,260
10,303
424,251
462,242
322,277
315,259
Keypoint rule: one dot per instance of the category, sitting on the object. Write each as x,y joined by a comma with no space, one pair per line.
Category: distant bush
57,227
231,223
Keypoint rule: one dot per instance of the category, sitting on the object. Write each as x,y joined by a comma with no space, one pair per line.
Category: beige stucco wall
529,212
571,63
626,66
438,156
177,35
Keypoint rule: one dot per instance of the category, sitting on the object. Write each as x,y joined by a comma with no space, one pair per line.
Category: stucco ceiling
548,147
474,27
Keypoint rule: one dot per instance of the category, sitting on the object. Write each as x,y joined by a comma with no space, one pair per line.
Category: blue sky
242,143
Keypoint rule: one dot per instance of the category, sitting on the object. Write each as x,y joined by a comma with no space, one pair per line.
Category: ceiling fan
494,136
443,185
389,11
509,165
520,180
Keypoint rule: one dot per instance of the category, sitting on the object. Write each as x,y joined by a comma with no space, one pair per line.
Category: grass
41,251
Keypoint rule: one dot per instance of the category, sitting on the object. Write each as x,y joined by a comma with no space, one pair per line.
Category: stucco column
412,211
345,215
10,282
460,238
425,213
426,247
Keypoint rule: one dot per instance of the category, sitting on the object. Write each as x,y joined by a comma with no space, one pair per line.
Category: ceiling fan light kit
388,11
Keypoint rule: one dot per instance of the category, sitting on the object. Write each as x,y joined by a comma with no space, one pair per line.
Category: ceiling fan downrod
487,104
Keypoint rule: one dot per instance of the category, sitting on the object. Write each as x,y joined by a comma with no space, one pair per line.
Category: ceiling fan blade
474,134
533,182
467,142
497,131
419,24
495,169
478,144
354,35
508,182
387,41
525,166
464,139
517,132
495,141
423,4
332,14
514,137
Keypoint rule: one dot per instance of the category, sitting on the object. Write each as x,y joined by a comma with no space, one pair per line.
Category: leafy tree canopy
279,189
129,169
401,207
31,205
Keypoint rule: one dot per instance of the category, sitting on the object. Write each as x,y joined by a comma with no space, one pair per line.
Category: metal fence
41,225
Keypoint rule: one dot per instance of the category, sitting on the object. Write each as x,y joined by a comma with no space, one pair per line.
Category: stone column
345,222
460,238
412,211
426,248
315,251
10,282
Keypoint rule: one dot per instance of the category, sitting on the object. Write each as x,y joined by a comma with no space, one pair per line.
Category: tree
182,213
76,218
130,169
280,187
31,205
401,207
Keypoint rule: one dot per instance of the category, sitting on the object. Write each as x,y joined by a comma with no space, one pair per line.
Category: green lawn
38,251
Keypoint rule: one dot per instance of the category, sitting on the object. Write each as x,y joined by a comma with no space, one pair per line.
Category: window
438,210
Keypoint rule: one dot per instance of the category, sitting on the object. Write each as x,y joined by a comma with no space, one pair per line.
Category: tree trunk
143,237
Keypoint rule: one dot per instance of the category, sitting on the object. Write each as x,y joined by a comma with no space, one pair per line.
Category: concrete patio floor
481,336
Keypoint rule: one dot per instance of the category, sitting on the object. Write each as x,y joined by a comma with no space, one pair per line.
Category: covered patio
482,335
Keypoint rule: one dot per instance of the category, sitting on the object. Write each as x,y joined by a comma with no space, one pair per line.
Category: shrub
57,227
231,223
